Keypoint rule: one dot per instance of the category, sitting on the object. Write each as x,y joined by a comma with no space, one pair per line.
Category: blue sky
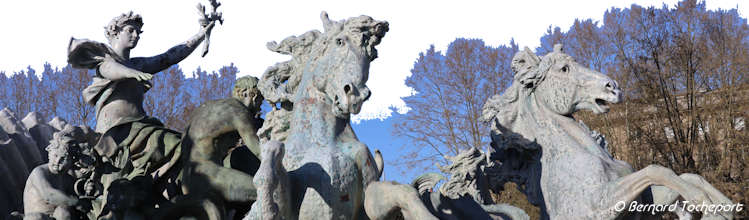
377,134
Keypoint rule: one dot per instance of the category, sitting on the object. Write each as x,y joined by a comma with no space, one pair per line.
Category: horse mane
530,70
519,156
468,172
280,81
369,32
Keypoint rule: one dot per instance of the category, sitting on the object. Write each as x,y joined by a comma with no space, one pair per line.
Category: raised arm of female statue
113,70
174,55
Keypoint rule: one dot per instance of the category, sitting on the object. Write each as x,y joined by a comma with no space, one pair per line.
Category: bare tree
74,107
684,74
173,96
24,90
168,99
450,91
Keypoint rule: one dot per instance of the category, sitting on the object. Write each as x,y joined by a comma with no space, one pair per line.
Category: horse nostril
347,89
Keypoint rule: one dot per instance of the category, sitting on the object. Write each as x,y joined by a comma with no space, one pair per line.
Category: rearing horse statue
313,96
536,138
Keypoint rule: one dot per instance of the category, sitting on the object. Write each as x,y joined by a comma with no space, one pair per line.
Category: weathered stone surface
545,149
468,178
132,143
57,123
50,188
10,147
317,90
465,195
19,153
214,131
40,131
15,129
16,166
385,199
12,199
14,160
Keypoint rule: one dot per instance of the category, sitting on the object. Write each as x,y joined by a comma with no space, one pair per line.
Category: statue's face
254,101
251,98
59,161
128,37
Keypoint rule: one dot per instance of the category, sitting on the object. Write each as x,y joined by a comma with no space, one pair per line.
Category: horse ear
328,25
524,60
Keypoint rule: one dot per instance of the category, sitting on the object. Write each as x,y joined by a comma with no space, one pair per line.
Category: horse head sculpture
318,89
566,171
336,62
567,86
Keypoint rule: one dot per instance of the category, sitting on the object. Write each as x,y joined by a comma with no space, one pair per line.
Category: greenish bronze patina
213,132
132,142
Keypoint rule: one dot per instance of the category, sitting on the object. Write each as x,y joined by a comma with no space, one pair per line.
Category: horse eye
339,42
564,69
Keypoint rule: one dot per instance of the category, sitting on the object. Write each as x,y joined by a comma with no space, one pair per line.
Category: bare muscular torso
45,191
216,126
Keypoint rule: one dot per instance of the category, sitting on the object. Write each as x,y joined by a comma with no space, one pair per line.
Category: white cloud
38,31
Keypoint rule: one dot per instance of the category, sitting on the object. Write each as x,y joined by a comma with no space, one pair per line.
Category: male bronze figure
49,191
210,143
